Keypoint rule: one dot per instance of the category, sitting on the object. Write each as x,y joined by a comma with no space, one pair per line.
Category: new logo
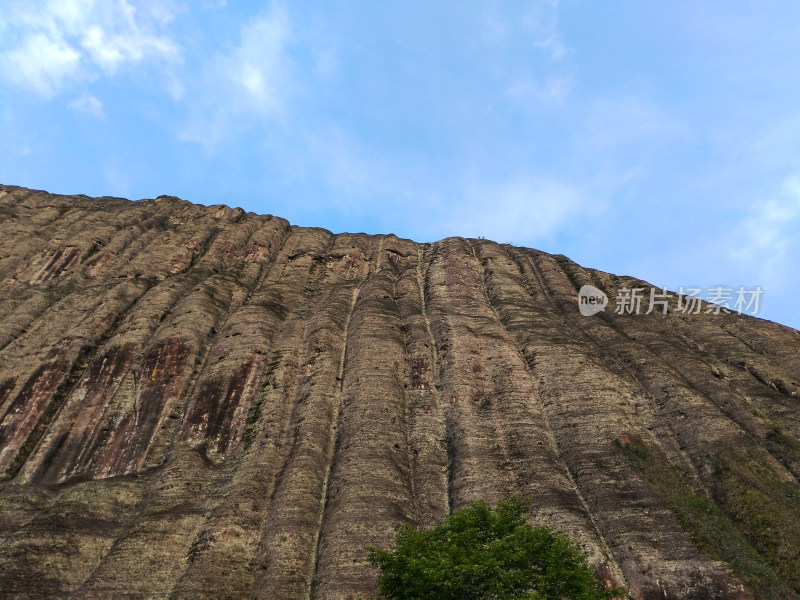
591,300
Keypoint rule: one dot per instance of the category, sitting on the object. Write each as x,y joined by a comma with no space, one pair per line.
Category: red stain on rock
28,407
61,261
218,410
75,429
164,373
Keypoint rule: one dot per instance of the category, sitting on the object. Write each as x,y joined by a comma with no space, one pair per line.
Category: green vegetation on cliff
483,552
736,529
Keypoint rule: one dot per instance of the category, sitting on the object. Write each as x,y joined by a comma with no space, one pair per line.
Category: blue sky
655,139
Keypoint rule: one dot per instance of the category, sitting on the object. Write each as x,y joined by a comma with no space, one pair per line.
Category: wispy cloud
40,63
347,165
88,105
537,26
541,23
625,118
46,48
520,210
766,241
251,81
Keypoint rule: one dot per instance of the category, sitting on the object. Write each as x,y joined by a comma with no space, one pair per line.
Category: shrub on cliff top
480,552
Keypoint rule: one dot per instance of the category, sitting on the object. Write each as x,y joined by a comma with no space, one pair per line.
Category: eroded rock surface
203,402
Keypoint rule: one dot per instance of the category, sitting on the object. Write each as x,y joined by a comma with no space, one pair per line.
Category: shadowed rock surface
203,402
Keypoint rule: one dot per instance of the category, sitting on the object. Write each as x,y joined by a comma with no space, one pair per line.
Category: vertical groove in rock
620,502
756,410
334,441
290,537
664,381
218,407
473,452
430,451
579,521
227,558
373,399
725,455
660,430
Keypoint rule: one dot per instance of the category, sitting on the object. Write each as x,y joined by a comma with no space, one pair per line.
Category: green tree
480,552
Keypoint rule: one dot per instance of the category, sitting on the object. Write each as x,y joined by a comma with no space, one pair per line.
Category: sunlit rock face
204,402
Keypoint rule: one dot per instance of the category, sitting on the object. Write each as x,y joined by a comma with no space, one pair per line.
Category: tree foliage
486,553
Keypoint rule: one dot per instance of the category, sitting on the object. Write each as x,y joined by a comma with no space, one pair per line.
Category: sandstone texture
201,402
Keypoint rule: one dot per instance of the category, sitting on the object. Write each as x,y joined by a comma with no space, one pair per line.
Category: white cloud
89,105
538,26
523,210
356,172
249,82
766,240
257,68
541,23
495,26
40,63
627,118
45,48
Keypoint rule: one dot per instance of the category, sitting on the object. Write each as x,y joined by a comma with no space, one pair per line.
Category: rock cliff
197,401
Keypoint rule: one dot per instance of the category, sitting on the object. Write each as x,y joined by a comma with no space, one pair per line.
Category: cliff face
202,402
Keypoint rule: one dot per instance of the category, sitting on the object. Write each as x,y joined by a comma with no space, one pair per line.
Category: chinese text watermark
688,301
